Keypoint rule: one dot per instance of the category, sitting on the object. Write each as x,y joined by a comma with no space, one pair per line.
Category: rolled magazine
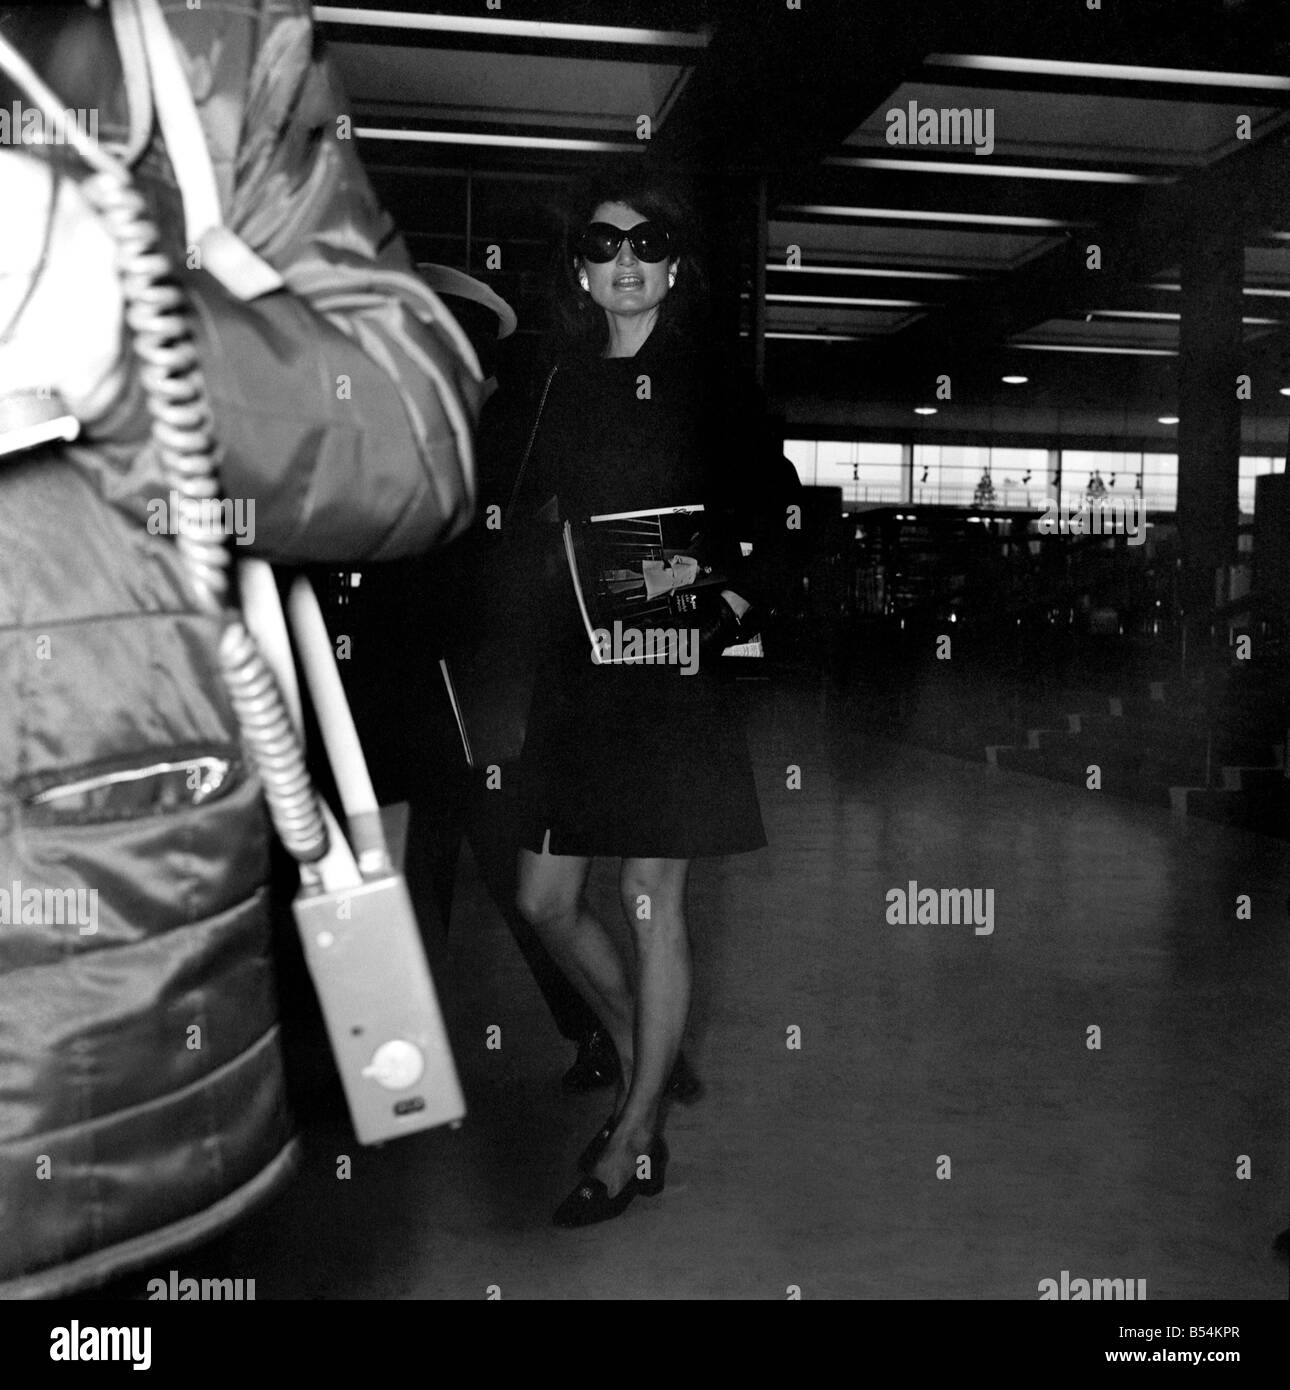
642,572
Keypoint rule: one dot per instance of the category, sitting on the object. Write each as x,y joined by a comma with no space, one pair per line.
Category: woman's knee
653,891
541,907
545,898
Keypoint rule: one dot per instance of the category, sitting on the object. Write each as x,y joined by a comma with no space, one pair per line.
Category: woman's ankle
634,1132
622,1155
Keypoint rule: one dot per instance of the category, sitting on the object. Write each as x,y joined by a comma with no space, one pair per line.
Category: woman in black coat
643,761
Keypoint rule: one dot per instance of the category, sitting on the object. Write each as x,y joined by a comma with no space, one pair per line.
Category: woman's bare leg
653,897
550,897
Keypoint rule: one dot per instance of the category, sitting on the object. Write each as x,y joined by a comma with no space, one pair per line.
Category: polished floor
923,1048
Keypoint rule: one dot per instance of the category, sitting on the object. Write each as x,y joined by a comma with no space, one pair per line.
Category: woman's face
625,286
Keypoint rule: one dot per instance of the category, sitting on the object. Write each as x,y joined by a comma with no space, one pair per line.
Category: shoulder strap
138,85
224,254
528,448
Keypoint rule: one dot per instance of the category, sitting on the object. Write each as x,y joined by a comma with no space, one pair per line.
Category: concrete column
729,215
1209,427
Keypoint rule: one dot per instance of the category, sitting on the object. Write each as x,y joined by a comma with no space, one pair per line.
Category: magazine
638,578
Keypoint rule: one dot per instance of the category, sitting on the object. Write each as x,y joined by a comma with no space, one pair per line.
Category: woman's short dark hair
579,323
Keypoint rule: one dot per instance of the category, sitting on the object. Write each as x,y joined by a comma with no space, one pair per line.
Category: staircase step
1268,814
1134,781
1235,747
1250,779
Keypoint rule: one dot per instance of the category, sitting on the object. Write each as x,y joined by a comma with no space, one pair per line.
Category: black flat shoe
590,1202
590,1156
596,1065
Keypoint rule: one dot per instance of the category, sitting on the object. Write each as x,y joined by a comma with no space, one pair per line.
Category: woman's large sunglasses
600,241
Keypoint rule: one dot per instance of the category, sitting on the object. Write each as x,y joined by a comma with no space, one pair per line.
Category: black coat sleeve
753,490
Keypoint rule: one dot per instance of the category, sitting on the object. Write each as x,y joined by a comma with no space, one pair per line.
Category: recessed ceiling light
924,410
1167,419
1284,391
1015,380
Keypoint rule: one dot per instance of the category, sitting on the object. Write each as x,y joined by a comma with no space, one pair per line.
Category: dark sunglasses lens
650,243
600,243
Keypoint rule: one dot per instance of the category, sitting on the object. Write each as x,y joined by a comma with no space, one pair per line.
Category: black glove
720,628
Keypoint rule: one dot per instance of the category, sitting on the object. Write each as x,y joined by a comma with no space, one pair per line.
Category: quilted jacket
141,1083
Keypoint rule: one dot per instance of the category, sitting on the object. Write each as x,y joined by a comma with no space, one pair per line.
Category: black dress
631,760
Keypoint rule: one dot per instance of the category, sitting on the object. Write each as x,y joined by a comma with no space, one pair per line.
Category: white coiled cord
182,431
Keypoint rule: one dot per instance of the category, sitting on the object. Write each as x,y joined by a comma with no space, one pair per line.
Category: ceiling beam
778,88
1141,234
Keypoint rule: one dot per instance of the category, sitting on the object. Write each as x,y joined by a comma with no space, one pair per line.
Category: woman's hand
725,619
61,307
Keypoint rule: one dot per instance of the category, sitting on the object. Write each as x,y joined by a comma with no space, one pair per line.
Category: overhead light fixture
876,272
1155,314
1259,291
984,168
510,142
924,410
1088,347
1116,72
816,337
510,28
1283,391
1015,380
978,219
1167,419
843,299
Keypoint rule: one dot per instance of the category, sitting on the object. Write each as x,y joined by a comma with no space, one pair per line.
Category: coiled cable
170,373
183,433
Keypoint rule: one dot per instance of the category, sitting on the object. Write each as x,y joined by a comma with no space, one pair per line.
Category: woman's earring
671,279
584,282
